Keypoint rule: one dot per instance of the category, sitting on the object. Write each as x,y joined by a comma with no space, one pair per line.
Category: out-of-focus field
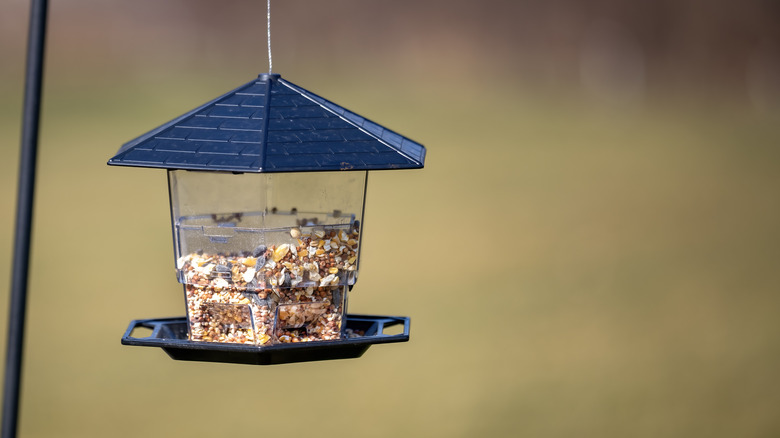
570,269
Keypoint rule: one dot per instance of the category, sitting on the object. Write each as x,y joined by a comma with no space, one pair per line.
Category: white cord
270,62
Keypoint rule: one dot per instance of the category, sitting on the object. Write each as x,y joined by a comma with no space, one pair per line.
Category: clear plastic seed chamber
266,258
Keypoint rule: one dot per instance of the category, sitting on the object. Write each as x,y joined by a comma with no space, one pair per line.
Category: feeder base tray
170,334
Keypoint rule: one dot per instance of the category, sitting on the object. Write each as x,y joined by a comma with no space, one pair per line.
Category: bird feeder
267,196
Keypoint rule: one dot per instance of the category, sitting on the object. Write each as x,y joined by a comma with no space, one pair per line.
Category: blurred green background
591,250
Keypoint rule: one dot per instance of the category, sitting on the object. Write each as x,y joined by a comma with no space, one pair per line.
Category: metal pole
24,215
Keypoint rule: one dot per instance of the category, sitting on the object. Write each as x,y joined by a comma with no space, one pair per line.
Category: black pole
24,215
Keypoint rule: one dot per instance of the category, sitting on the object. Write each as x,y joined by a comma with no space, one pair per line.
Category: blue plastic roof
271,125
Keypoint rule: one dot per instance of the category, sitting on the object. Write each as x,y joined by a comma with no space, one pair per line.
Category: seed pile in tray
277,294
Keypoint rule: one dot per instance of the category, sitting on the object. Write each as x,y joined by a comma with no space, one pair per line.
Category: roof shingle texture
271,125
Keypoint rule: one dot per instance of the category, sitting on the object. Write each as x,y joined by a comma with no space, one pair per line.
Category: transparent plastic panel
287,249
216,212
283,316
310,314
226,220
215,197
215,321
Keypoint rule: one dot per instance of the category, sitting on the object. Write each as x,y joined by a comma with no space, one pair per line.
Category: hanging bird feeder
267,194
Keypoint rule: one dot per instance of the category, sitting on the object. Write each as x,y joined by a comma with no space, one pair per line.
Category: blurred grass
570,270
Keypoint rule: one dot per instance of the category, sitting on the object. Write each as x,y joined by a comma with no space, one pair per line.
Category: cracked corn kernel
281,251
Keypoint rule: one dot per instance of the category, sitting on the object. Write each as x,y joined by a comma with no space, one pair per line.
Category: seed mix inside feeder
267,193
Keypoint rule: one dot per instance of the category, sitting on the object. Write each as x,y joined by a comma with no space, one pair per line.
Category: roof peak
267,76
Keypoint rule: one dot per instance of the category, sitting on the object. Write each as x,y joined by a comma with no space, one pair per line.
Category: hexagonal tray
170,334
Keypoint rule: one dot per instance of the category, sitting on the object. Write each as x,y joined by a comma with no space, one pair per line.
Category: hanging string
270,61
